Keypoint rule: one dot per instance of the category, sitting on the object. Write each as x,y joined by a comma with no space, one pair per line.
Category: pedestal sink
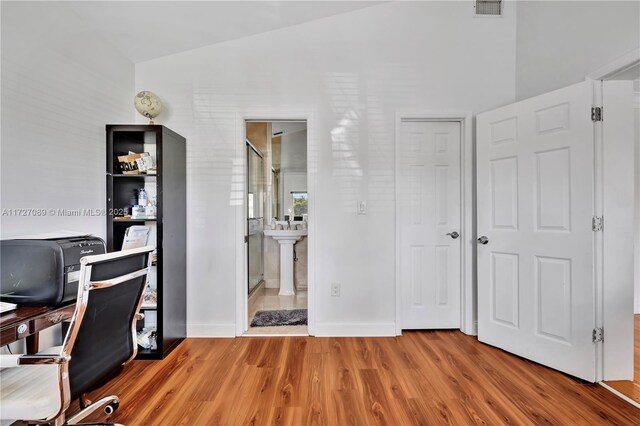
287,238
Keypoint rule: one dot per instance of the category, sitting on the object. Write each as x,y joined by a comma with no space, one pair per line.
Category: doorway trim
240,171
609,70
468,285
607,367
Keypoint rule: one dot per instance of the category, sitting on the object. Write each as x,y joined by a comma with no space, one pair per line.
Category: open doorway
630,389
277,232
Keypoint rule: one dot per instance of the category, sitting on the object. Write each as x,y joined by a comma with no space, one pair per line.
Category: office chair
101,338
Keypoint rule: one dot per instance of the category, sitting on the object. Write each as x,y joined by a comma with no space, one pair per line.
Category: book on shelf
144,162
136,163
135,236
150,298
128,164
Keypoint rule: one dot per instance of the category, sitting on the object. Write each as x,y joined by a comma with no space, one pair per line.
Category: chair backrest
102,335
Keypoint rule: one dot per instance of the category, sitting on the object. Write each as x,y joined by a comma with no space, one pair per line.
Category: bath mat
279,318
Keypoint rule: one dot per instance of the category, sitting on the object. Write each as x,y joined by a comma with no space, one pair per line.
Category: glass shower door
255,209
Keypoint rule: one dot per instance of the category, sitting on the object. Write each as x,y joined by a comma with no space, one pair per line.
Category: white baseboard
473,331
211,330
620,395
272,283
350,329
636,308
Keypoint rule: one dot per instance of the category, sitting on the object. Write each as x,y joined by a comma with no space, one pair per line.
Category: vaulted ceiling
144,30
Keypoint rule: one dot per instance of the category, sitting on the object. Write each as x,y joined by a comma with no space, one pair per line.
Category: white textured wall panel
60,85
353,72
560,42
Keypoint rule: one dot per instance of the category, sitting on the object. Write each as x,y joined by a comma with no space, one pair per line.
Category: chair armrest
8,361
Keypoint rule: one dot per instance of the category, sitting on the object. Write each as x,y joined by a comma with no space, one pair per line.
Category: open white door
429,201
535,189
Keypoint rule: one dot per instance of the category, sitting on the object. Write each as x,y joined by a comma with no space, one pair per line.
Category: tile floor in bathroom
267,299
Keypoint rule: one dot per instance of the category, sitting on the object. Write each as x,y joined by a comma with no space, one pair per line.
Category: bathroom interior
277,215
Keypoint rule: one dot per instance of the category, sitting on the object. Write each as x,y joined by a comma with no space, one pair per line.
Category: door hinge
246,238
597,335
597,223
596,114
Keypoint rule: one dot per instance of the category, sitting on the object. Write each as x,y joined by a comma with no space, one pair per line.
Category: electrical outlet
335,289
362,207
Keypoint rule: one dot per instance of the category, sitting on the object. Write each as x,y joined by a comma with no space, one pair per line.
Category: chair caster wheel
111,408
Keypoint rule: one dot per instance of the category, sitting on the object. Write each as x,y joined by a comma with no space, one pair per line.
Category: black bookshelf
169,151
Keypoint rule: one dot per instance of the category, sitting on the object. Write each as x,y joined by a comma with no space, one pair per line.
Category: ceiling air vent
488,7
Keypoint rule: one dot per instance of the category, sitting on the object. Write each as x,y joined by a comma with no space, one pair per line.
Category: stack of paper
6,306
135,236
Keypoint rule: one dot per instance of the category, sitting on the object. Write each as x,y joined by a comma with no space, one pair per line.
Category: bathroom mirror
289,169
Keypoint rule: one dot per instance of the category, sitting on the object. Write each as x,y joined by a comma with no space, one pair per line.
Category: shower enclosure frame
261,179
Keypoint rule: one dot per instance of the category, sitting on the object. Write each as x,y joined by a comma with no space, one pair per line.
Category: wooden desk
26,322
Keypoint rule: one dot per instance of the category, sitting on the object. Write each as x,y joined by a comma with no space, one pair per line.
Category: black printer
44,272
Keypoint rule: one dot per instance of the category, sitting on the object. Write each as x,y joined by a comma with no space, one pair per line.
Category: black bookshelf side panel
109,208
174,228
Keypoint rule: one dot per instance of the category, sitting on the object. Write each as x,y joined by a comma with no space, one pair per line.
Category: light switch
362,207
335,289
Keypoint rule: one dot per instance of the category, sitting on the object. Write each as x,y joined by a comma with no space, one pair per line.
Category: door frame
240,172
468,282
615,202
609,70
606,295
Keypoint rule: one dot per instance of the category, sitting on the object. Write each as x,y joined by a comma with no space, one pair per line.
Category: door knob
453,234
483,240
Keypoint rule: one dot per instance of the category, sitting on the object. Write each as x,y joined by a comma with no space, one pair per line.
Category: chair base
108,403
98,424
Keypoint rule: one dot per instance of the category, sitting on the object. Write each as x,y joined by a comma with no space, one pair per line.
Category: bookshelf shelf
127,220
168,315
140,176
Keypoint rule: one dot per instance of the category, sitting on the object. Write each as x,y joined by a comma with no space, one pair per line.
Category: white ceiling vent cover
488,7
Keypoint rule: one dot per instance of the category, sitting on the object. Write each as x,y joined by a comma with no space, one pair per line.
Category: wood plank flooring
422,378
631,388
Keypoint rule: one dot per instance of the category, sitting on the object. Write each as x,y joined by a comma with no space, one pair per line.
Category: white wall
352,71
61,84
560,42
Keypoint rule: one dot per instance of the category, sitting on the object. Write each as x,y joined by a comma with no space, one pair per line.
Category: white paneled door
535,192
428,201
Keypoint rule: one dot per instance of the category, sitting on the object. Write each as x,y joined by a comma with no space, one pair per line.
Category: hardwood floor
433,377
628,388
